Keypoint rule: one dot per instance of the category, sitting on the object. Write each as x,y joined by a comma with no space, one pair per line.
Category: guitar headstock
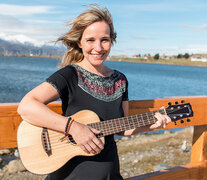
179,111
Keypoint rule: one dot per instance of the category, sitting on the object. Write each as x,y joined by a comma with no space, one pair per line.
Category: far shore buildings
193,57
199,57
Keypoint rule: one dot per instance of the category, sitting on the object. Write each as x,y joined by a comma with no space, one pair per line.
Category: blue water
18,75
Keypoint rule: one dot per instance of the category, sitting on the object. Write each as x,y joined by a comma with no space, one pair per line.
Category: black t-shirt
79,90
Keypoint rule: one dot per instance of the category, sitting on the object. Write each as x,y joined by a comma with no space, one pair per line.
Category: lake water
18,75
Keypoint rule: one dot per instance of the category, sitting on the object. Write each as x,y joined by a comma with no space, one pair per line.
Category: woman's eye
106,40
90,40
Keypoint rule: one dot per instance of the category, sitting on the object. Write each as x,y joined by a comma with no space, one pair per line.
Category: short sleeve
58,81
125,94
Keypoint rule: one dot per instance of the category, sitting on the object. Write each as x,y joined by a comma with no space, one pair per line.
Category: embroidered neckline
93,74
103,88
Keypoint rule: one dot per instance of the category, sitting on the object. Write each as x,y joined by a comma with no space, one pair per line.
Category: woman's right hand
85,137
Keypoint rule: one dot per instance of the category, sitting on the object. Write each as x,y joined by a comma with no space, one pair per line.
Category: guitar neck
114,126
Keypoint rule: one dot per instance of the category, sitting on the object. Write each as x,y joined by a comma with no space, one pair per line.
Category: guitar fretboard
114,126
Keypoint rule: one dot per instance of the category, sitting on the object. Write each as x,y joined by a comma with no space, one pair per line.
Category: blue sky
143,26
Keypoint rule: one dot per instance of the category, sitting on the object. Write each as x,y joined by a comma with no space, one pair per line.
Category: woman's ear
79,44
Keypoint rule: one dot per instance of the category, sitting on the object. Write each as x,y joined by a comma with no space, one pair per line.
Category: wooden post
199,144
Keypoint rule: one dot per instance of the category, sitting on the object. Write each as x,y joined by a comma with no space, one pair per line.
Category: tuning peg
183,101
176,102
188,120
169,103
181,121
175,123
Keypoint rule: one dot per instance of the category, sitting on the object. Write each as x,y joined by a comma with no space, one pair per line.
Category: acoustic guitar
42,152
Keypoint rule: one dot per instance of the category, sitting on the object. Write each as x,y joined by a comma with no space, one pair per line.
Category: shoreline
178,62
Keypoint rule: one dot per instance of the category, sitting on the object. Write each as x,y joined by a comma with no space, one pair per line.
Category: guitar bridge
46,142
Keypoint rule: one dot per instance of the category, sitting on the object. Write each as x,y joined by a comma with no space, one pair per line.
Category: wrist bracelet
67,126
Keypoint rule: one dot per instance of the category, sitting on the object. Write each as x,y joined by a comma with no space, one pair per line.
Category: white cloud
197,49
39,21
143,37
20,38
17,10
38,33
195,28
10,22
22,24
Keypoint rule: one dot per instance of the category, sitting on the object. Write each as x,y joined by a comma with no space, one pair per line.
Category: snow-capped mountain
23,45
20,38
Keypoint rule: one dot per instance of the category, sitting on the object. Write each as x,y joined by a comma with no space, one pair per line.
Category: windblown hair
94,14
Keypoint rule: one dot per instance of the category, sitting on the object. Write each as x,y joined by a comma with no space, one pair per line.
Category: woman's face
96,43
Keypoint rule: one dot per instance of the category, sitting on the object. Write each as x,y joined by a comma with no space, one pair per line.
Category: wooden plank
192,171
199,144
199,106
9,119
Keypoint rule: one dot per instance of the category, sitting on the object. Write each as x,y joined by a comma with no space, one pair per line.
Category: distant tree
186,55
179,56
157,56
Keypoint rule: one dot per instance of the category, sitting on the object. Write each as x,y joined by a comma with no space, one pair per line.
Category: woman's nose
98,46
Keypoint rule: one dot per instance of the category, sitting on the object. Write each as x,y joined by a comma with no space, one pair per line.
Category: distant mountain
20,38
28,49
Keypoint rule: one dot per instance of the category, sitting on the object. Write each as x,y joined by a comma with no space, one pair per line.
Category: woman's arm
33,109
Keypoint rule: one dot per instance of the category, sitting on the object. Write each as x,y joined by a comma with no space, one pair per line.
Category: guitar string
56,145
167,110
54,138
132,118
60,144
127,126
144,120
119,127
123,126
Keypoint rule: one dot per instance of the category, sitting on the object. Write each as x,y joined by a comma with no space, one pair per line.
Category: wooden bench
196,169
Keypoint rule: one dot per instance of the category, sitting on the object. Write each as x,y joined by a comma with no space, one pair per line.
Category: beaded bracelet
67,127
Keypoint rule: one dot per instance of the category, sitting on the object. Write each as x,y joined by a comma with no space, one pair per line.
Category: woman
85,82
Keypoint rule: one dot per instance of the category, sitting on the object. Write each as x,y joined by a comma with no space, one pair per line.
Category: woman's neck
100,70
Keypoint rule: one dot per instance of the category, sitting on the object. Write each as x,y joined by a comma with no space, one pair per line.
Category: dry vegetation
147,153
181,61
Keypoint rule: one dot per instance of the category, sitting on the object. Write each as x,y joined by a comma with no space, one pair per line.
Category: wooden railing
196,169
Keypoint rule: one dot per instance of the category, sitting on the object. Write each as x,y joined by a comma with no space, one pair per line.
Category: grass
182,61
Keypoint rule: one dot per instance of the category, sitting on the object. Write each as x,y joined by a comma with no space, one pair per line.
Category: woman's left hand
162,121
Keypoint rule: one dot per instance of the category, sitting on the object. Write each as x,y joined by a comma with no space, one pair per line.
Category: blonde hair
94,14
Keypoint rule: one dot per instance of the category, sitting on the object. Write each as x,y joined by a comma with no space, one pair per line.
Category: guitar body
31,145
42,152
